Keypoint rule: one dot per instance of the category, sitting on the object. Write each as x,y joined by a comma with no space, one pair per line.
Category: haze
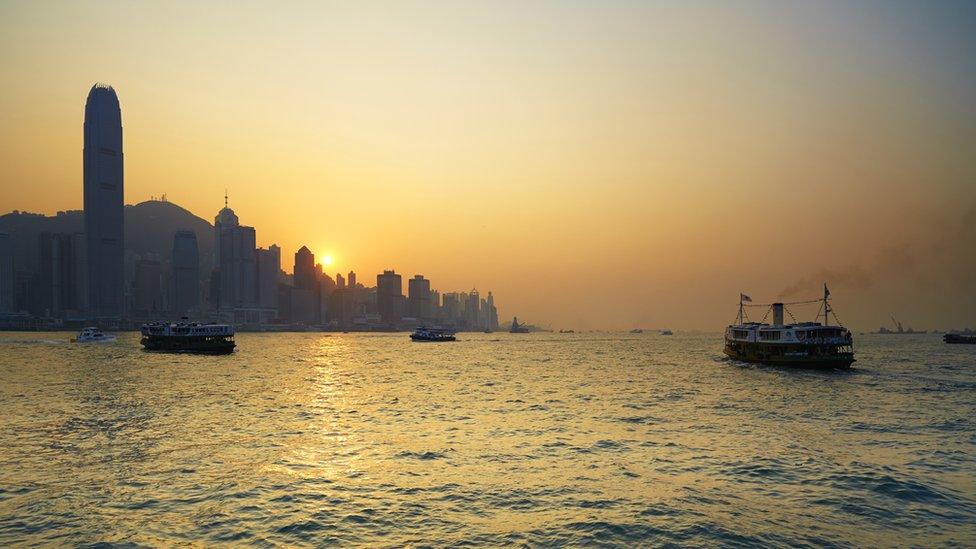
593,164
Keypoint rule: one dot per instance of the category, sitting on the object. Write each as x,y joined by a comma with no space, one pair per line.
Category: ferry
799,345
432,334
93,335
188,337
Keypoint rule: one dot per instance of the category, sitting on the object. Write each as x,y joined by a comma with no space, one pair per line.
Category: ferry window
740,334
769,335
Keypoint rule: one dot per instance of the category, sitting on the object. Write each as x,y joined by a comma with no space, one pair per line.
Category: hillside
149,228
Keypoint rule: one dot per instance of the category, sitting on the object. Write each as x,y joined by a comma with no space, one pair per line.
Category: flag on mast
744,297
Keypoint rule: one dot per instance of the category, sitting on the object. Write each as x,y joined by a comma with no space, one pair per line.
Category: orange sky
595,165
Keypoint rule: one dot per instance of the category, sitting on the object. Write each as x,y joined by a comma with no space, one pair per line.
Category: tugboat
188,337
666,332
93,335
518,328
432,334
798,345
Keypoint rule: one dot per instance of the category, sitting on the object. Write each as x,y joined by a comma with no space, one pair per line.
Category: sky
596,165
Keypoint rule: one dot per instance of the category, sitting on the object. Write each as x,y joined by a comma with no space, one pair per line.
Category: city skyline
595,183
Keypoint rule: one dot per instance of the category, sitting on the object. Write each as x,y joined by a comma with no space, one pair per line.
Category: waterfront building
103,202
186,274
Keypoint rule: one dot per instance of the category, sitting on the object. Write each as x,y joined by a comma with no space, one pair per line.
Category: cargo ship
899,329
518,328
188,337
799,345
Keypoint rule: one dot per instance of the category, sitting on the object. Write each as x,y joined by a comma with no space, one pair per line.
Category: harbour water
622,439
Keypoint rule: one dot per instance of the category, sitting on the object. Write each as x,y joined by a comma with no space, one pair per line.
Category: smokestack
777,314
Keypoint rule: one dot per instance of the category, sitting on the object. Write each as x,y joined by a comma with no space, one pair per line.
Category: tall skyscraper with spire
103,202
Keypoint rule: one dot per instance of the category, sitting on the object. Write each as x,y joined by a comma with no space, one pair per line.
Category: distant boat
432,334
567,331
93,335
960,338
899,330
518,328
637,331
666,332
799,345
188,337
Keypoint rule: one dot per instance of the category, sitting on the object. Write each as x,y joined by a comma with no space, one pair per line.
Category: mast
826,305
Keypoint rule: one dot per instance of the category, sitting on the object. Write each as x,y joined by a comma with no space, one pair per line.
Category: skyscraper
418,292
235,260
186,273
305,272
6,274
269,265
389,297
103,200
351,279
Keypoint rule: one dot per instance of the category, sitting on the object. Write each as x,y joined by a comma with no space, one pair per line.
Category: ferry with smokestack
798,345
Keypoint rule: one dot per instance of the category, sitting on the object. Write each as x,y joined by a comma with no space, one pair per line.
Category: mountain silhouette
149,230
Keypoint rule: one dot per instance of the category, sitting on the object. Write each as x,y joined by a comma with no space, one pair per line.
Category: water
540,439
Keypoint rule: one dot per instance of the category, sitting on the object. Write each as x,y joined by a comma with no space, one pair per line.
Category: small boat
798,345
432,334
188,337
666,332
93,335
637,331
567,331
518,328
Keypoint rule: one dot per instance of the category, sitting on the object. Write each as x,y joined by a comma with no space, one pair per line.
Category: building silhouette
306,299
235,260
103,202
7,274
418,298
351,279
59,292
389,297
186,274
269,266
148,296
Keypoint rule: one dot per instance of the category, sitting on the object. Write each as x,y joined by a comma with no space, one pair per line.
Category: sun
327,260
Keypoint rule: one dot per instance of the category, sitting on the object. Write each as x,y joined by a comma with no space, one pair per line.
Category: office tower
492,312
305,272
186,273
451,308
418,292
340,281
471,311
58,291
306,305
269,267
103,202
147,289
351,279
235,260
389,297
6,274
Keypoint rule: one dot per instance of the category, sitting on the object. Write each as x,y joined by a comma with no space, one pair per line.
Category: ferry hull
198,345
811,357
